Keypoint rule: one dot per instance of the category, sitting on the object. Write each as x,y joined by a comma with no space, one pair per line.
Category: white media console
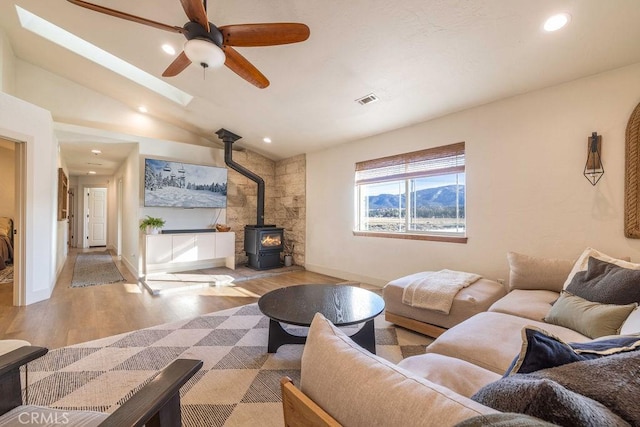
166,253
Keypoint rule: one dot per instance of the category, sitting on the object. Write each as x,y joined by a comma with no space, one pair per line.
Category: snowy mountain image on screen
174,184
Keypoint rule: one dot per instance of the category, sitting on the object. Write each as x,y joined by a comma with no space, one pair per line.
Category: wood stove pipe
229,138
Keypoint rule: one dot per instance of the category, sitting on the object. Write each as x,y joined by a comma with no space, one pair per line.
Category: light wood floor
74,315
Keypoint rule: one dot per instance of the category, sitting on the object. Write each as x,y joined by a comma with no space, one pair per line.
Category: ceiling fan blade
128,17
195,12
177,66
239,65
249,35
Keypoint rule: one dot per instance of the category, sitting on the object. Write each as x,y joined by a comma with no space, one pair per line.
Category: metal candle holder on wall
594,169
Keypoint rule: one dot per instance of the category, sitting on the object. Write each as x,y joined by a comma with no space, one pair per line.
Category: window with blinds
421,193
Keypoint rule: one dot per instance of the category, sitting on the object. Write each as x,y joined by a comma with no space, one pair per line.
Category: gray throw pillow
613,381
606,283
547,400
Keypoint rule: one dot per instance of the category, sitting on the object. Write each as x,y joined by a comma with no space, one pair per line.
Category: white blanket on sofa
436,290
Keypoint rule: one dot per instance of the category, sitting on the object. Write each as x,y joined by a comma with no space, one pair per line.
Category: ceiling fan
209,45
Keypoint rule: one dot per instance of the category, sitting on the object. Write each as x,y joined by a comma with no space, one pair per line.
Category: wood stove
263,245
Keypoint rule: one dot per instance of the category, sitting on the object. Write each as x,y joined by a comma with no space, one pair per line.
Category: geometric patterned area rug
6,274
238,385
94,268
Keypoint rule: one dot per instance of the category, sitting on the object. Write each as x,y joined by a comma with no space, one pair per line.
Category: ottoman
473,299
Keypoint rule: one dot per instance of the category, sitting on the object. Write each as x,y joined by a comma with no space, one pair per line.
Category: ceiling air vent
367,99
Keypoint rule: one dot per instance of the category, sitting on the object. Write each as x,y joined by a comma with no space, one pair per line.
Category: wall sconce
594,169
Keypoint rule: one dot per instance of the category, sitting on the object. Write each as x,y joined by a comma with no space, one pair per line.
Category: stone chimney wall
291,202
285,199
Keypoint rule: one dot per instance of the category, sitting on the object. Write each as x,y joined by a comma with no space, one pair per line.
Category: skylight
75,44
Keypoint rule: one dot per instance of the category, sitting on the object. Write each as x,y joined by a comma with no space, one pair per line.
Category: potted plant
288,253
151,225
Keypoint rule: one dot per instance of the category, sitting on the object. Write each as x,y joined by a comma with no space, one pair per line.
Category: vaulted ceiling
421,58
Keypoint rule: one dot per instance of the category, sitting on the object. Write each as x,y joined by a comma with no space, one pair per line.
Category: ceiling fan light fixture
205,53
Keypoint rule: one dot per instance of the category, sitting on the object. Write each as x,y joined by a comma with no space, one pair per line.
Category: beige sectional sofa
357,388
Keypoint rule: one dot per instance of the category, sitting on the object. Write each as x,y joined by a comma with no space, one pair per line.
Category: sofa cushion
541,350
589,318
534,304
358,388
491,340
528,272
547,400
606,283
462,377
471,300
582,263
9,345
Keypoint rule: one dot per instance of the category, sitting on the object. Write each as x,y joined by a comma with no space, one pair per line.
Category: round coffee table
343,305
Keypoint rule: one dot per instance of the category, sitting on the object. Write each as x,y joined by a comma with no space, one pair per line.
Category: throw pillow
581,263
541,350
589,318
606,283
528,272
547,400
332,365
612,381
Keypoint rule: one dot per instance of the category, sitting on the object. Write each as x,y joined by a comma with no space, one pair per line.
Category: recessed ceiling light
143,109
267,140
92,172
96,152
77,45
556,22
168,49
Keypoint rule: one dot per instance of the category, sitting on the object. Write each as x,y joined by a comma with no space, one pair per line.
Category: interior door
97,227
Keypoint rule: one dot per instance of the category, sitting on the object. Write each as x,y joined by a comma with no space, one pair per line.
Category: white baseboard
184,266
130,266
346,275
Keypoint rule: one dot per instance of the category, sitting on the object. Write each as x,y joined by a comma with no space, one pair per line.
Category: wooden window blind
443,160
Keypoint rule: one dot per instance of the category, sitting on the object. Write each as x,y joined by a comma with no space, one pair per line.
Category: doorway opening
12,167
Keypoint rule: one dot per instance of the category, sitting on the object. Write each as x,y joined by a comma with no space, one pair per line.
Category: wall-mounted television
184,185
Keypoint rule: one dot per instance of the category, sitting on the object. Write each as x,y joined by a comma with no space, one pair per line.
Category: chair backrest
300,411
156,404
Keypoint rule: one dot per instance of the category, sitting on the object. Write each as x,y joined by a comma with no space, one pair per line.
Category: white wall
7,63
129,174
525,188
33,125
71,103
